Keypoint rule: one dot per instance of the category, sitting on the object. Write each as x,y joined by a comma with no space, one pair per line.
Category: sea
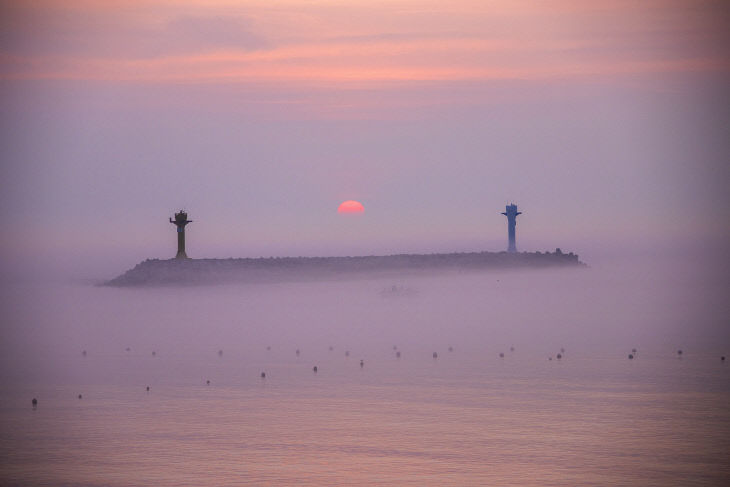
488,378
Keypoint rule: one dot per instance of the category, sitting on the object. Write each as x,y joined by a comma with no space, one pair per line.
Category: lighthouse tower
181,219
511,214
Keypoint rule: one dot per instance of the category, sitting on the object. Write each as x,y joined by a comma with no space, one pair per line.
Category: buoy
562,350
314,369
633,350
397,354
722,359
80,396
34,402
501,355
559,356
83,353
511,349
263,374
331,348
395,347
631,356
297,352
451,349
347,353
268,348
435,355
550,358
207,382
679,352
154,353
362,364
128,349
220,353
148,388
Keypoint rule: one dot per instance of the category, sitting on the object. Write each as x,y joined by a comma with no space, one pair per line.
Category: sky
607,123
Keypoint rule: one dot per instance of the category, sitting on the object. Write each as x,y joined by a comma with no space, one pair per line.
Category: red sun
351,206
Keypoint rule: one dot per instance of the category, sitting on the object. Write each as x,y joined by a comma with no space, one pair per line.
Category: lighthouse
511,214
181,219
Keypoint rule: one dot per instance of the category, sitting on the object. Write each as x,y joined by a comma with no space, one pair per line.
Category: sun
351,206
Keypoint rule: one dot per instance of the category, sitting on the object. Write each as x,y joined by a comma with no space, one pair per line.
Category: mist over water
656,306
393,417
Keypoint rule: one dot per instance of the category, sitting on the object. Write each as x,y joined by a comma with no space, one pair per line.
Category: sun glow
351,206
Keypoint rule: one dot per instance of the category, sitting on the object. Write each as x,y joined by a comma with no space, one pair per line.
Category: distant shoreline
196,272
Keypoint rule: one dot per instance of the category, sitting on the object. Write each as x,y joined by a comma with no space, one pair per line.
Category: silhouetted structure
156,272
181,219
511,214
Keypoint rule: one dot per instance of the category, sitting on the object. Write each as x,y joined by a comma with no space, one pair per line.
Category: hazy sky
607,122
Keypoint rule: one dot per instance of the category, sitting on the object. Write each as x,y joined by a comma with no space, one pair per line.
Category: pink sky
363,43
605,121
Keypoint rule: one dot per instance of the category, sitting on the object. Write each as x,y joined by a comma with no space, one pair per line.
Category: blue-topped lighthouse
511,214
181,219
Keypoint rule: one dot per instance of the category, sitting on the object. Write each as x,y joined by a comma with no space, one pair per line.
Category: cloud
368,45
93,34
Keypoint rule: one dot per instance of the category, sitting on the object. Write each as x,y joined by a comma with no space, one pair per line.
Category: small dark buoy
34,402
331,348
679,352
268,348
314,369
362,363
220,353
397,354
435,355
562,350
207,382
559,356
631,356
511,349
633,350
347,353
722,359
451,349
297,352
80,396
154,353
128,349
148,388
83,353
501,355
263,374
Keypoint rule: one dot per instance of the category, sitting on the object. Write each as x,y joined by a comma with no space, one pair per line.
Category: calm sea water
469,417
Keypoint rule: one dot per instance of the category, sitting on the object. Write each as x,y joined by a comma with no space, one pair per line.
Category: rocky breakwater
156,272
